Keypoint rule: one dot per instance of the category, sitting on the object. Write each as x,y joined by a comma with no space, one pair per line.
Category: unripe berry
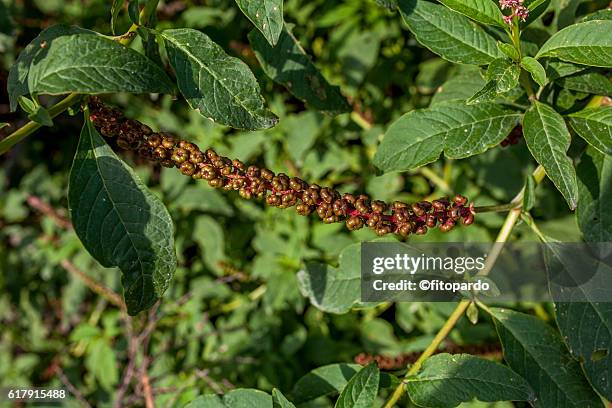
154,140
196,156
167,141
180,155
187,168
160,154
460,200
354,223
378,206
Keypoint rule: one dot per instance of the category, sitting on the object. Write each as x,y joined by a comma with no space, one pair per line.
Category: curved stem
31,127
502,237
496,208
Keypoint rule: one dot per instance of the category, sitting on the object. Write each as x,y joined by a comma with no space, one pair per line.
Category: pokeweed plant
547,85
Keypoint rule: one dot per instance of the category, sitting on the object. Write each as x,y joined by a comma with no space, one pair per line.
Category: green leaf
605,14
35,51
41,116
472,313
446,380
4,124
586,43
591,344
238,398
418,137
36,113
537,71
504,73
461,87
487,93
448,34
298,74
220,87
536,352
558,69
589,81
536,9
120,222
508,50
333,290
115,10
101,361
331,379
361,390
69,59
595,189
266,15
483,11
279,400
548,140
322,381
134,11
595,126
86,63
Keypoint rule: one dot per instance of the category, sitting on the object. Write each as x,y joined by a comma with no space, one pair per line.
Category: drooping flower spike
280,190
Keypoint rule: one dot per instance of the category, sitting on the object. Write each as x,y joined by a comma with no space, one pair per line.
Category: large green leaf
266,15
548,140
331,379
220,87
595,189
120,222
536,352
587,330
462,378
589,81
361,390
588,43
595,126
448,34
280,401
289,65
66,59
321,381
238,398
333,290
460,130
484,11
91,63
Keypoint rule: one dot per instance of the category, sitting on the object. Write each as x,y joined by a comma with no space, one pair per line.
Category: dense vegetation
194,228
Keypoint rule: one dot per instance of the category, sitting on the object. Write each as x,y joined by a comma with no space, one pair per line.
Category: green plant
512,74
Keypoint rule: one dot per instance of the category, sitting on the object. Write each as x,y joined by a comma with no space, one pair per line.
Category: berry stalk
280,190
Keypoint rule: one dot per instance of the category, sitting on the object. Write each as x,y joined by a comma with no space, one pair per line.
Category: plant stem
502,237
31,127
436,180
496,208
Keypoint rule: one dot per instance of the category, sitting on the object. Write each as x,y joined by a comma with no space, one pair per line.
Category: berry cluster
517,9
514,137
280,190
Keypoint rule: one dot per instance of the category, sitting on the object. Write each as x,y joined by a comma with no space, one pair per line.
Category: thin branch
38,204
94,285
148,392
71,388
130,370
